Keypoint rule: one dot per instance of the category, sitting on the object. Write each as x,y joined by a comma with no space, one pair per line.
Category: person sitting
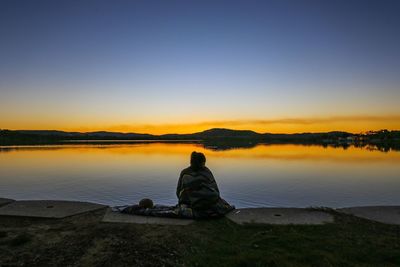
198,190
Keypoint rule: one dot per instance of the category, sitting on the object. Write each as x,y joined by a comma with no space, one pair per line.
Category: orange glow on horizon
354,124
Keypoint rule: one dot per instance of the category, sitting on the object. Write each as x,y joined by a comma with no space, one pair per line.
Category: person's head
146,203
197,160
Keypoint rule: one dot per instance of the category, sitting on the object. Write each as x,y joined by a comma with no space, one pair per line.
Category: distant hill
213,137
215,133
62,134
220,132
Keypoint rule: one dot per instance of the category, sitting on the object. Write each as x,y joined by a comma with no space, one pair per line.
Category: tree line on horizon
383,140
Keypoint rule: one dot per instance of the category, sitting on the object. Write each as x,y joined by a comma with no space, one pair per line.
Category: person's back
198,189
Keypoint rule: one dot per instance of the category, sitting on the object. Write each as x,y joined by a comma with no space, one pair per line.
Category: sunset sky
186,66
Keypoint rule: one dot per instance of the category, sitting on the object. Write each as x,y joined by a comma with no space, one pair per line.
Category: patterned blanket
219,209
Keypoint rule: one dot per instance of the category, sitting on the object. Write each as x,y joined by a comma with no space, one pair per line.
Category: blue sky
115,64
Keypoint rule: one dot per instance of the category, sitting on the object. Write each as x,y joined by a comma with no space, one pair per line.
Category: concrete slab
5,201
47,208
117,217
279,216
384,214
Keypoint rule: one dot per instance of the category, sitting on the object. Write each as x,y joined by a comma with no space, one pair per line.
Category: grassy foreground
84,241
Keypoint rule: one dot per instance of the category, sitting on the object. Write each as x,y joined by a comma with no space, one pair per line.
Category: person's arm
215,182
212,179
179,185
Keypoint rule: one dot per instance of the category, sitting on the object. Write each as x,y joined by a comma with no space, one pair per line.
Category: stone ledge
383,214
283,216
279,216
5,201
47,208
117,217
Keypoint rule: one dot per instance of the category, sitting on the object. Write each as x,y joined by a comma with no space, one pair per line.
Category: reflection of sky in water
274,175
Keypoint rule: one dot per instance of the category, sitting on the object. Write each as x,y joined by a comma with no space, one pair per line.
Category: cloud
329,119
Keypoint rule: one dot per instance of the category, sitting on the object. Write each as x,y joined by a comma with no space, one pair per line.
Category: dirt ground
83,240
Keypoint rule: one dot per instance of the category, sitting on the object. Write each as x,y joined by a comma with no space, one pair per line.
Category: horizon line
355,124
215,128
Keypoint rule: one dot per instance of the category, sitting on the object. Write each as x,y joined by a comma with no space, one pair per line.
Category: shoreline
86,239
66,208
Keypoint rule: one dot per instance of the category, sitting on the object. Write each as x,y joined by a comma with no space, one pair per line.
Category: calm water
266,175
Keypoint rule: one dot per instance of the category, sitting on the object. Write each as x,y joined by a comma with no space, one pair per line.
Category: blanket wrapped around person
197,192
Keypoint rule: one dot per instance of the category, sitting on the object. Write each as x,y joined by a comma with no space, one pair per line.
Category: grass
347,242
83,241
20,240
3,234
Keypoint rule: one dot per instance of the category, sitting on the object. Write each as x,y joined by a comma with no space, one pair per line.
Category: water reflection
262,175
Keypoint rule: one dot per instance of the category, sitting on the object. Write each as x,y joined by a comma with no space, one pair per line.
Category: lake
264,175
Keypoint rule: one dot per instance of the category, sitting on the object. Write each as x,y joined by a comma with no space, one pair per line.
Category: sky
186,66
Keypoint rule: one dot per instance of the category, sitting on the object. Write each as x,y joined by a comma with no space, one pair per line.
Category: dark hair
197,160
